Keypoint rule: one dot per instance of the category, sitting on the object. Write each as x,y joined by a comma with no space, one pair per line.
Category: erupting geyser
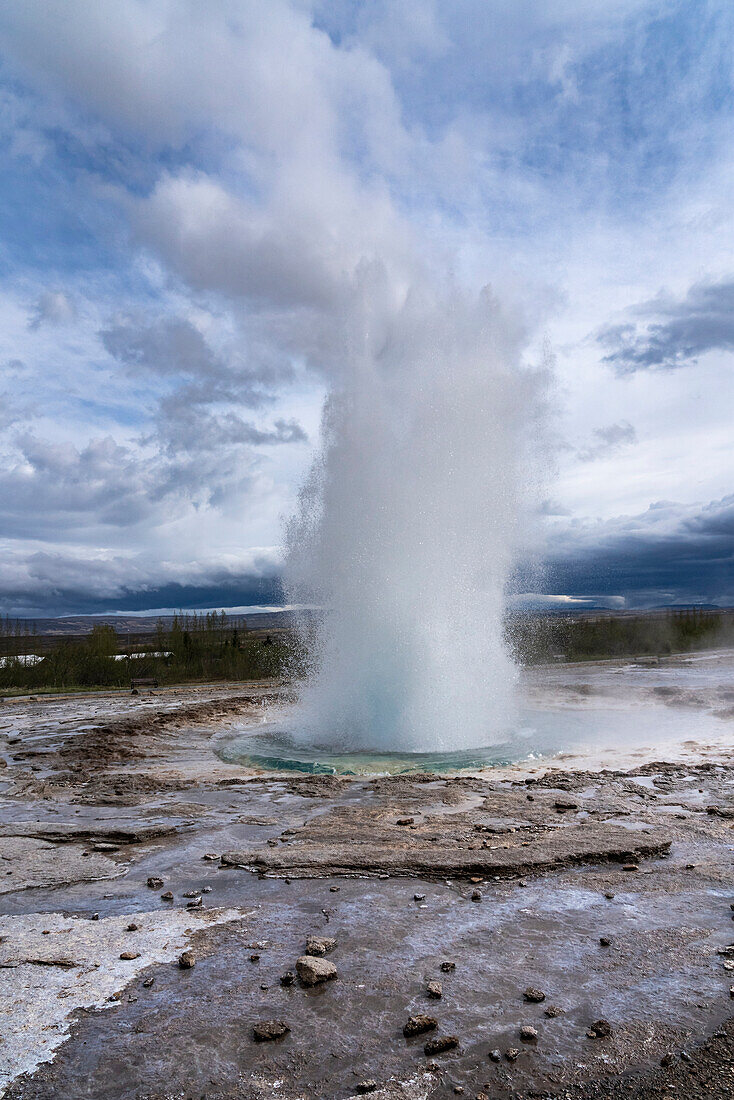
408,527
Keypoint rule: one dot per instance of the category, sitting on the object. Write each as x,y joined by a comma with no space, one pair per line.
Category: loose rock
288,978
312,970
495,1056
365,1086
130,955
168,896
433,989
447,967
476,896
186,960
316,945
418,1024
528,1034
512,1054
268,1030
154,883
440,1045
534,996
605,941
552,1011
600,1029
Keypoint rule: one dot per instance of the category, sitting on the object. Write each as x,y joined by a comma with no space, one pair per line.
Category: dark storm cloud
672,332
62,583
670,553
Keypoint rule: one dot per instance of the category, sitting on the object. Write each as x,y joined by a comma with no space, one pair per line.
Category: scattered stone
685,1056
365,1086
605,941
512,1054
562,804
154,882
458,1090
534,996
419,897
475,878
552,1011
288,978
210,857
528,1034
189,893
130,955
476,895
418,1024
630,867
312,970
195,904
317,945
727,951
731,990
168,896
433,989
405,821
447,967
268,1030
609,896
495,1056
94,916
440,1045
335,889
667,1059
206,889
186,960
600,1029
254,958
148,983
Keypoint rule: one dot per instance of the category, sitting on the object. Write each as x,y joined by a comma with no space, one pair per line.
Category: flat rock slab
68,832
561,848
76,964
26,862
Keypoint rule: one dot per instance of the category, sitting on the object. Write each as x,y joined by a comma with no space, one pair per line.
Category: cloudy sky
189,189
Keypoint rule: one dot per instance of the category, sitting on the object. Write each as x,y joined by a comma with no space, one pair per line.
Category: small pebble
476,896
130,955
433,989
168,896
534,996
206,889
94,916
132,927
186,960
512,1054
605,941
154,882
419,897
335,889
528,1034
552,1011
609,896
447,967
268,1030
288,978
440,1044
495,1056
417,1025
148,983
600,1029
365,1086
254,958
667,1059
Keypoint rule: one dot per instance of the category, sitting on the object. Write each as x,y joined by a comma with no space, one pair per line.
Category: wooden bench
143,682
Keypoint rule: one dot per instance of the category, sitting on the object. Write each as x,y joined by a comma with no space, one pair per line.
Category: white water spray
408,529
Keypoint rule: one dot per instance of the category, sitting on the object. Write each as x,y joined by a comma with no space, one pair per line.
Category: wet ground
512,878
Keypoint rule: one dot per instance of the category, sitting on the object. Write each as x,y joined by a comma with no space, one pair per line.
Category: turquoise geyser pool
612,714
